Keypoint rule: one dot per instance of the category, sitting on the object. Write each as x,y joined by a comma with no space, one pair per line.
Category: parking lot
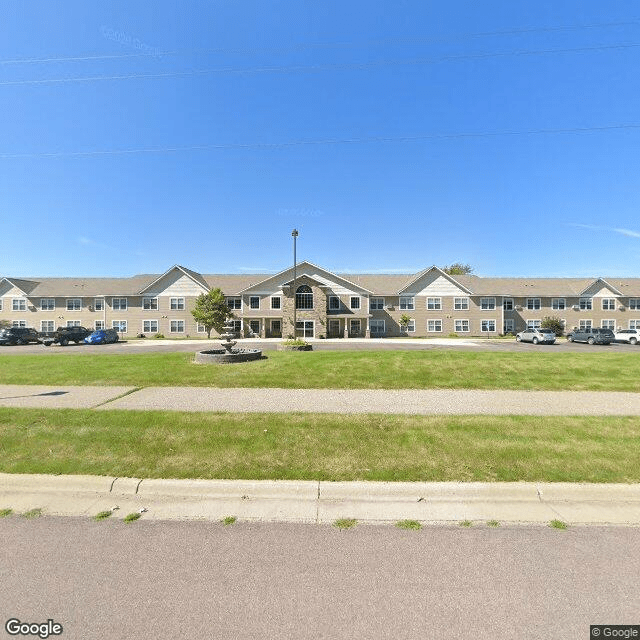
475,344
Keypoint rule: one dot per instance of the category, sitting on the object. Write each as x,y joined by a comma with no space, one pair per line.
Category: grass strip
433,369
156,444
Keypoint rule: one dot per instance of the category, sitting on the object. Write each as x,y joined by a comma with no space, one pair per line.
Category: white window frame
610,324
279,299
74,304
608,304
200,328
586,304
251,301
19,304
177,322
411,326
434,304
376,304
435,322
461,304
74,323
634,304
232,302
534,304
304,324
509,325
634,324
47,304
558,304
487,304
150,330
585,323
21,324
463,330
485,323
150,303
407,303
119,306
98,304
50,326
253,322
177,304
534,324
358,301
507,304
98,325
331,302
118,324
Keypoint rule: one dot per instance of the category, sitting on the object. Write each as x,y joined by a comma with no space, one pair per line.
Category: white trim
150,330
177,307
489,306
467,330
434,321
437,301
271,299
359,299
120,307
465,302
22,306
555,304
48,307
339,303
486,320
151,299
177,320
68,300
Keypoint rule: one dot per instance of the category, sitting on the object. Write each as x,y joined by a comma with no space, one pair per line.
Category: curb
324,502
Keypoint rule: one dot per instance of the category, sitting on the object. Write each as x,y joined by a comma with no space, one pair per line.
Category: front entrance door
304,329
354,328
334,329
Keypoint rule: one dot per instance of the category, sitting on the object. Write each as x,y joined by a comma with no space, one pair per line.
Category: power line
327,141
317,45
319,67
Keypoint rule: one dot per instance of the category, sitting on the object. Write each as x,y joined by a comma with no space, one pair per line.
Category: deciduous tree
211,310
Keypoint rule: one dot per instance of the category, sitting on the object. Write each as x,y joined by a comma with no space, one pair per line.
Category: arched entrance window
304,297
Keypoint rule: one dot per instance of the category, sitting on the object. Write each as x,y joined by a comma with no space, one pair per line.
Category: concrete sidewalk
400,401
325,502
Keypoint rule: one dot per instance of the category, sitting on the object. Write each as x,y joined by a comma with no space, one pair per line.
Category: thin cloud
627,232
592,227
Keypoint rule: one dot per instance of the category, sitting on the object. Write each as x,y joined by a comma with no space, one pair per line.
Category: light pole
294,233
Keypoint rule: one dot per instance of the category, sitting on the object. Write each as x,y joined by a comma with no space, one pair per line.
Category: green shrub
453,334
159,335
555,324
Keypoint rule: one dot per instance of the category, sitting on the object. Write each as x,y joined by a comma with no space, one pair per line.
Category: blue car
102,336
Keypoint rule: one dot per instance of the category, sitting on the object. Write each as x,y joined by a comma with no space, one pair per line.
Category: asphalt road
204,580
168,346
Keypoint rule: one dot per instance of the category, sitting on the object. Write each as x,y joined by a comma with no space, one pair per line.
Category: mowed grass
320,446
433,369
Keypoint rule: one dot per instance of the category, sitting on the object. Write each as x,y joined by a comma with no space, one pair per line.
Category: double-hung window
355,302
608,304
176,326
176,304
533,304
119,304
149,326
586,304
558,304
461,304
488,325
407,302
487,304
119,325
634,303
376,304
434,326
74,304
234,303
507,304
276,302
47,304
254,302
98,304
461,326
150,304
434,304
334,303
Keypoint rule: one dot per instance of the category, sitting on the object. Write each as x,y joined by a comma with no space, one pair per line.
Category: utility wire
156,53
328,141
319,67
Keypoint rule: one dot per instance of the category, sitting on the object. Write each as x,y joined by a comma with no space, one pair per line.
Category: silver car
544,336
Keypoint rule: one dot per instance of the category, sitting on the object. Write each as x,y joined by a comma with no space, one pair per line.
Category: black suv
590,335
65,335
18,335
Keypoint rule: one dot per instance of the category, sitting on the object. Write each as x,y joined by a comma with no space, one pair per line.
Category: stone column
367,332
263,328
346,327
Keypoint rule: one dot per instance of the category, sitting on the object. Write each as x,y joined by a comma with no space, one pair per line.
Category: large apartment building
327,304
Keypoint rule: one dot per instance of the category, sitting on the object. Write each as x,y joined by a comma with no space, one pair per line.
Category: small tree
404,321
5,324
458,269
555,324
211,310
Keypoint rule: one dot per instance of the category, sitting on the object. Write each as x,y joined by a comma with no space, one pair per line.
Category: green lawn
319,446
435,369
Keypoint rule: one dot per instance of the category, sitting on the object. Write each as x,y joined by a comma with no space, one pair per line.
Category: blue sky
393,135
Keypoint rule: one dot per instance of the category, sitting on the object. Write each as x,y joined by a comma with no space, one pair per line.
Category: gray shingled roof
383,284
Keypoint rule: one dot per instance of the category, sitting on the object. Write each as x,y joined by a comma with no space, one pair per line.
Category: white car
632,336
544,336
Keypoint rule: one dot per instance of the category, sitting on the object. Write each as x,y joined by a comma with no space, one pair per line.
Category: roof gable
178,280
434,281
600,288
328,279
24,287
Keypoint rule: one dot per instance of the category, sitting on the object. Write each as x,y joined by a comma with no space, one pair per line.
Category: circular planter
221,356
291,347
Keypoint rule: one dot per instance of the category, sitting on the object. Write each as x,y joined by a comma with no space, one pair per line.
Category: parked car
102,336
632,336
590,335
64,335
536,335
18,335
